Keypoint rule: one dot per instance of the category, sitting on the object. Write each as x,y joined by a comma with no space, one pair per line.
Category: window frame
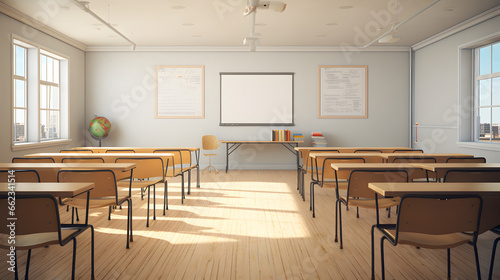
34,83
16,78
477,106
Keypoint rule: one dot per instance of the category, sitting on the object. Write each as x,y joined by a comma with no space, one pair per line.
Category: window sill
35,145
479,145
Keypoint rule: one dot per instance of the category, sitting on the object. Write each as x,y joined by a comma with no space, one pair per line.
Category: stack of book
298,137
281,135
318,140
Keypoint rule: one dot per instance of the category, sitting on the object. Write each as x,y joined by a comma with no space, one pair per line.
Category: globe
99,128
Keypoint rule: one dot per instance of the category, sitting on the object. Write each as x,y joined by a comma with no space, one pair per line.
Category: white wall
120,86
76,83
436,95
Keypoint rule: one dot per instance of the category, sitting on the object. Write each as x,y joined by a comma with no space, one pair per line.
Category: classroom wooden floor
244,225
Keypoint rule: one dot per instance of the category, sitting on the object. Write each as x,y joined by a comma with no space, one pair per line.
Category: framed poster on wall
343,91
180,92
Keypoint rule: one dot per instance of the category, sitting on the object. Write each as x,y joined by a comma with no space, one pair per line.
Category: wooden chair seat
430,241
96,202
138,184
37,240
370,203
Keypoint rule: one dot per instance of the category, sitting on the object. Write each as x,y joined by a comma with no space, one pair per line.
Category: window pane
20,93
54,98
43,67
496,91
496,58
20,125
485,60
485,92
56,71
495,115
54,124
50,70
44,97
20,56
43,124
484,124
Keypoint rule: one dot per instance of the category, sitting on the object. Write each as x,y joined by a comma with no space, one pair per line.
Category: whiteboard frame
292,74
201,93
365,114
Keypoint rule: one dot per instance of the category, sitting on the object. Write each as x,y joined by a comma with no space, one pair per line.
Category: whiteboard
180,92
343,92
256,98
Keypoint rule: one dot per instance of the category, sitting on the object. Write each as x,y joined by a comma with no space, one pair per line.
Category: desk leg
227,155
197,154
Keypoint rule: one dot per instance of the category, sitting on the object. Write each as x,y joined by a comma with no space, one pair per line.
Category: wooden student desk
231,146
55,189
48,171
490,192
107,157
441,168
194,150
440,157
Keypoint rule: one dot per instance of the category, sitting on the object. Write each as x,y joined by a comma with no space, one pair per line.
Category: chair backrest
20,176
82,160
368,151
84,151
145,167
33,160
466,160
35,214
411,159
439,214
209,142
329,172
359,179
486,176
181,158
104,181
306,159
124,151
408,151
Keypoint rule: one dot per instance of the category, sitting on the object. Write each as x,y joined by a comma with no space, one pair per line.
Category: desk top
54,189
465,165
391,156
136,149
352,149
59,166
373,166
107,157
261,142
400,189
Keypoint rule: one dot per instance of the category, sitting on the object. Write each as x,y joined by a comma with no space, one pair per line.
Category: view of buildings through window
487,87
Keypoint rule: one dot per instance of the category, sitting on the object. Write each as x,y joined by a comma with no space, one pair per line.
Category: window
39,96
487,93
20,82
49,98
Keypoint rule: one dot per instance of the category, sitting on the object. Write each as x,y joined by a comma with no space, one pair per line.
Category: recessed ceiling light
178,7
332,24
320,36
188,24
449,9
346,7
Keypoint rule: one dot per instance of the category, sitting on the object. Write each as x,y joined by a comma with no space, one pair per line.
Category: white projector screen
256,99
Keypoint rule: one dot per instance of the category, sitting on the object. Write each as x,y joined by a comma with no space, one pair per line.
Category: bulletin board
180,92
343,91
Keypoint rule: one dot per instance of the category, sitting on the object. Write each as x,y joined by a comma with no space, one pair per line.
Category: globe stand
99,142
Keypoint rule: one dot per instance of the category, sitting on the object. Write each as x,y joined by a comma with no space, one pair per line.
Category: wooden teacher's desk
490,192
48,171
231,146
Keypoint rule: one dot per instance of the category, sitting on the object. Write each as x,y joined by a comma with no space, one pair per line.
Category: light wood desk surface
440,157
352,149
136,149
374,166
107,157
54,189
490,192
448,166
369,157
260,142
48,171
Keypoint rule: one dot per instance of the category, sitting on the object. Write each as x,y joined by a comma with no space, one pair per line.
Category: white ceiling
221,22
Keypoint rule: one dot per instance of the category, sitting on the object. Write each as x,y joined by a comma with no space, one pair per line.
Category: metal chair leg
26,277
493,252
382,262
